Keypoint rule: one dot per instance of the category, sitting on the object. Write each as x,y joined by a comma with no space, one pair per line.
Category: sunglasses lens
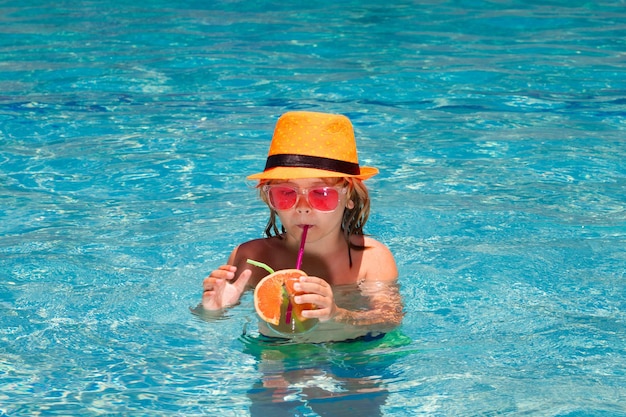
324,199
282,198
321,198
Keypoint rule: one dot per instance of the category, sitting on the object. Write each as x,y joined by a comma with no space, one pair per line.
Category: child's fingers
322,314
243,279
223,272
319,300
314,285
230,268
324,306
210,284
318,292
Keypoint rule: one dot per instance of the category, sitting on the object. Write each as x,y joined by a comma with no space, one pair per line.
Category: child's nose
302,205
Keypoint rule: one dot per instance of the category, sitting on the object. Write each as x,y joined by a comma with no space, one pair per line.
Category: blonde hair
353,221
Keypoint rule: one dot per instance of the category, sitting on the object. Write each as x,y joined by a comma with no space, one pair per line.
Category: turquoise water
126,132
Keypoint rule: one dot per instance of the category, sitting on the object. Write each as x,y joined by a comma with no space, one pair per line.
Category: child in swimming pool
312,178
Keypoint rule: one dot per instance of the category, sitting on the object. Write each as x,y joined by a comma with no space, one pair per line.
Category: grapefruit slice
273,298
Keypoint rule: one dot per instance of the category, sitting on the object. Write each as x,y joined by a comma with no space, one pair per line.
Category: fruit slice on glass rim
274,303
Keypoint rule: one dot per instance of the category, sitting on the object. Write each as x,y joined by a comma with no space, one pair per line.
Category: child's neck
326,246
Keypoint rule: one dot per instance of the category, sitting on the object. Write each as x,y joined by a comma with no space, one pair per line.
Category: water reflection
330,379
336,369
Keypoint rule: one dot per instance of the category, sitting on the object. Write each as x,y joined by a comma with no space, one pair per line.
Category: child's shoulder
260,243
376,247
371,243
257,249
378,260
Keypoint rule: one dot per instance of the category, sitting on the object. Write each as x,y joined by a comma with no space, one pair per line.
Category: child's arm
379,285
385,313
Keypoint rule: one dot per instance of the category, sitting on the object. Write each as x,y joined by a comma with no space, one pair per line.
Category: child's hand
219,292
319,292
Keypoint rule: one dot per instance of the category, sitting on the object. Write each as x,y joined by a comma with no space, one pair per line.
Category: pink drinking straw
298,264
301,251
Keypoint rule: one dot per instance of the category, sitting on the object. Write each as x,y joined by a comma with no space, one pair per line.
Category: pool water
126,131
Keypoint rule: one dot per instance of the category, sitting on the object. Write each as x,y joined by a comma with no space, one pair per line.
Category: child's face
315,202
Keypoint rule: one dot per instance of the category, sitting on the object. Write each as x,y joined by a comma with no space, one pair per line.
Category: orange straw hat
313,145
